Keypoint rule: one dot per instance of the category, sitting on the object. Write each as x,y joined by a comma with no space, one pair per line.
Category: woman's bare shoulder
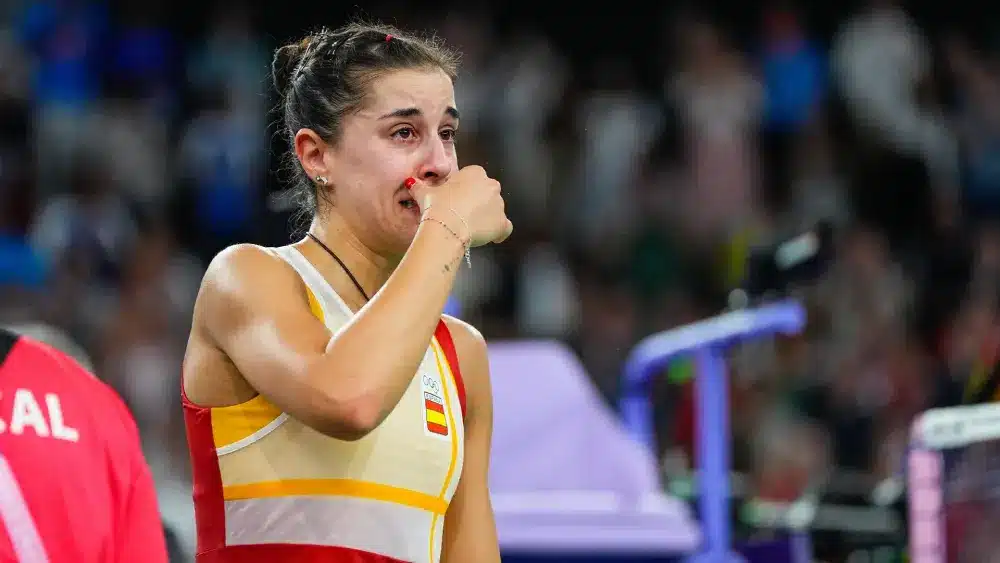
245,276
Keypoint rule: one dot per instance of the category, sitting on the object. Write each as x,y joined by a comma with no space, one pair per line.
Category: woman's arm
252,307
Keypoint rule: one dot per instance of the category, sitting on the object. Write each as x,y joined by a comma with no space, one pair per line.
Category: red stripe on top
443,336
437,429
433,406
209,507
291,553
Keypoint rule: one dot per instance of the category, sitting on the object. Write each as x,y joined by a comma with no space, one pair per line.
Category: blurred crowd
130,153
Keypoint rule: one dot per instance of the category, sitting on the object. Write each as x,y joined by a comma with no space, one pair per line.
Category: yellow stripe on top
236,422
436,418
336,487
446,378
314,307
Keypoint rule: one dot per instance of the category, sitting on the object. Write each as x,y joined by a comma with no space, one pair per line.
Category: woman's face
406,128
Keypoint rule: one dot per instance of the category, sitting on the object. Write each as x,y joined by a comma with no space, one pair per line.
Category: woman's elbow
342,406
348,419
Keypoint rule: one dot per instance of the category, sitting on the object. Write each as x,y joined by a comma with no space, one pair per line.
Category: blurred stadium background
643,150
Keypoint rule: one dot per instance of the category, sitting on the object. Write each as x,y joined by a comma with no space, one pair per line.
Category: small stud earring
321,180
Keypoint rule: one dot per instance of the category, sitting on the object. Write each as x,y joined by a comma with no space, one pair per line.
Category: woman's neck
370,269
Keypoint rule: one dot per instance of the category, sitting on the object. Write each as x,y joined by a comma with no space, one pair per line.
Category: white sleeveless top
380,499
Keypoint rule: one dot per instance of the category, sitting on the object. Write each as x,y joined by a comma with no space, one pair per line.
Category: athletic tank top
269,488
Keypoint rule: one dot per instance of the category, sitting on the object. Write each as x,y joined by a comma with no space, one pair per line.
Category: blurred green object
656,264
680,371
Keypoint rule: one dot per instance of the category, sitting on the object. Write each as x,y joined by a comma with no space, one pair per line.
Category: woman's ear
310,149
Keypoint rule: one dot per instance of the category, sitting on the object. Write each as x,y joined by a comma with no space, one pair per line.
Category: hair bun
286,60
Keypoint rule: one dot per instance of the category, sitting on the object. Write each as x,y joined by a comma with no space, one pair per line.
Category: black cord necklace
342,265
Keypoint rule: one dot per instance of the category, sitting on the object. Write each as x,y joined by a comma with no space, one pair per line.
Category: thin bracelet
457,214
462,219
466,244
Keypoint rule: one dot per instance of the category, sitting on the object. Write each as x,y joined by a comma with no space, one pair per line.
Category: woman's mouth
410,206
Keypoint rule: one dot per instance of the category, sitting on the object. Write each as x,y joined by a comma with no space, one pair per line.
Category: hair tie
388,38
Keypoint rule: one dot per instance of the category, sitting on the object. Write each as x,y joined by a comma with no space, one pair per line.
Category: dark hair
325,76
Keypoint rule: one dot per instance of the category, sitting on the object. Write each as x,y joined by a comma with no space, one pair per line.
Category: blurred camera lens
800,259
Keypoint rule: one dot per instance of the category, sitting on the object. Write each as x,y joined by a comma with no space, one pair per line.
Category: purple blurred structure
951,483
565,476
707,340
453,307
925,488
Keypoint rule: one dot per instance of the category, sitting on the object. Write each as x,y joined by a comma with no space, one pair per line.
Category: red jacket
74,485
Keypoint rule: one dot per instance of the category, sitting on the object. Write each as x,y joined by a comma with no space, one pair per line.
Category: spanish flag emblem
434,414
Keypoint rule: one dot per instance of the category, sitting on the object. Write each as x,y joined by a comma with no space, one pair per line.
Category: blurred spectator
608,329
91,227
794,76
68,40
142,56
818,190
15,81
978,117
141,348
84,238
133,141
881,61
220,156
790,457
534,77
548,305
20,264
719,101
793,70
231,59
471,31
